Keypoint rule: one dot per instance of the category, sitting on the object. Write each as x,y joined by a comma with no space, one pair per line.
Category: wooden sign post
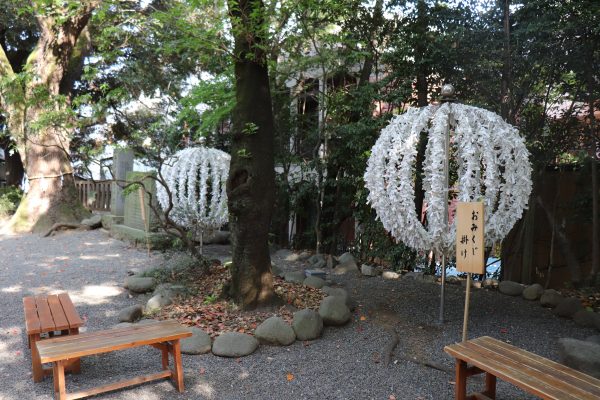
470,247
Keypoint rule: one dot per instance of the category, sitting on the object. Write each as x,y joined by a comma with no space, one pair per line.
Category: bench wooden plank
71,313
561,371
32,321
60,320
522,366
115,339
530,384
44,314
532,373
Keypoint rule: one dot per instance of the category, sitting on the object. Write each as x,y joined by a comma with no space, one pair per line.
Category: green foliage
10,197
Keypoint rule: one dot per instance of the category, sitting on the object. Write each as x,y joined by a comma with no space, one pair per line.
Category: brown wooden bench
164,335
45,317
534,374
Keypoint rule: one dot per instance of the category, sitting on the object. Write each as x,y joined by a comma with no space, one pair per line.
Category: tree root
388,350
61,225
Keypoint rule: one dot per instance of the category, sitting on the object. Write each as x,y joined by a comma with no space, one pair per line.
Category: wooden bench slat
531,384
60,320
78,345
521,365
561,371
32,321
43,310
70,312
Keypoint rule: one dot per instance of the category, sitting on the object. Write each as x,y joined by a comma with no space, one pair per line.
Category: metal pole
466,313
447,97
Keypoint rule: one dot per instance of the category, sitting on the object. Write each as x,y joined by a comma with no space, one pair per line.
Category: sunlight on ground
95,294
205,389
244,375
10,346
104,243
12,289
99,257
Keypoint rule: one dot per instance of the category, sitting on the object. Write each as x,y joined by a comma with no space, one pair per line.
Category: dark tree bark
421,83
13,167
44,147
506,66
251,183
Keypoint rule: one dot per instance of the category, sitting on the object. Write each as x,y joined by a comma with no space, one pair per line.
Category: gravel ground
344,364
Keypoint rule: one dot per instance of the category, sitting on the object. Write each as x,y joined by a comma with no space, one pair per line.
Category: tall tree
36,103
251,183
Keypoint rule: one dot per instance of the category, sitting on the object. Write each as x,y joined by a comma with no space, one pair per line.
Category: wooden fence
94,195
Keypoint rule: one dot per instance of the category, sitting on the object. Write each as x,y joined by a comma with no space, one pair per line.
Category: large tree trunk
251,183
506,66
13,167
39,121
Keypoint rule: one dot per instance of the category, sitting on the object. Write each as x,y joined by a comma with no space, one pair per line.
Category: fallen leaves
220,315
290,376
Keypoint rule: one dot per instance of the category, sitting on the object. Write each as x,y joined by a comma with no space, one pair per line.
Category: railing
94,195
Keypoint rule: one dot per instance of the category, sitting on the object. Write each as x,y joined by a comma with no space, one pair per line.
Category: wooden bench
47,316
164,335
534,374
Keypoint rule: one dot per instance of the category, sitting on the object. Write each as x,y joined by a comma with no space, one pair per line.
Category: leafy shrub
10,197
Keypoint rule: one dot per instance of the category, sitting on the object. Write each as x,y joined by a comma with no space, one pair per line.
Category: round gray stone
550,298
510,288
157,302
275,331
199,343
337,292
171,290
317,258
585,318
307,324
581,355
276,271
295,277
346,267
390,275
314,282
131,313
346,257
568,307
139,284
368,270
593,339
334,311
533,292
234,344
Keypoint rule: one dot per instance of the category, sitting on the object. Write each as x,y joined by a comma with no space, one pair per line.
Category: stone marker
275,331
234,344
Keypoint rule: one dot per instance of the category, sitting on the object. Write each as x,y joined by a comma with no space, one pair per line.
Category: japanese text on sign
469,237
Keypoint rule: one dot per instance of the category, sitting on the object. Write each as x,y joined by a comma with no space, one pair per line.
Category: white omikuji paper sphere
196,178
493,167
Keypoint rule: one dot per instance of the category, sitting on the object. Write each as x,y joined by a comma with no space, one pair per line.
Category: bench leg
178,369
60,390
461,380
75,367
165,350
490,386
36,366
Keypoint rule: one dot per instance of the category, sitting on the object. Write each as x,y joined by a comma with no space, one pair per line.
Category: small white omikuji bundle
196,178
